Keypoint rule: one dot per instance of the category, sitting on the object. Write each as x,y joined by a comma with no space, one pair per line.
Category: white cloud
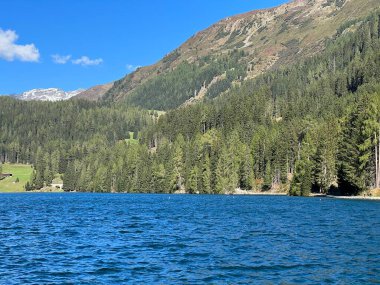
11,51
86,61
131,67
60,59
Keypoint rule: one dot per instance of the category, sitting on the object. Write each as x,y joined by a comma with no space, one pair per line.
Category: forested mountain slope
311,126
294,118
259,41
49,135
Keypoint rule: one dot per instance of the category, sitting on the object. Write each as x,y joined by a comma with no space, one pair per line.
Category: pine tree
158,178
355,152
100,181
306,182
69,178
227,172
84,179
178,171
40,166
268,177
302,180
246,169
324,169
55,162
39,180
221,172
192,183
28,187
371,144
49,175
206,176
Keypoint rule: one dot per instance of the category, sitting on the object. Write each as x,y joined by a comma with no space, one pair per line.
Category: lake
183,239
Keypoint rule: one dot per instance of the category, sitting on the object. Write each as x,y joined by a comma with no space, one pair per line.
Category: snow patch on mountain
49,94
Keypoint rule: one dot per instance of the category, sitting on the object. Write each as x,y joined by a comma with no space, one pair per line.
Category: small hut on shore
5,175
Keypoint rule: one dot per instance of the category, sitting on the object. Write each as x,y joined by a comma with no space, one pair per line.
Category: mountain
49,94
55,94
257,41
94,93
310,125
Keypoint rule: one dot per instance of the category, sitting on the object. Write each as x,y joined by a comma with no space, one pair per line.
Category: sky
72,44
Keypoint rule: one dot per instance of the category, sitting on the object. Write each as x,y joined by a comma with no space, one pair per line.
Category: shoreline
240,193
256,194
369,198
360,197
237,193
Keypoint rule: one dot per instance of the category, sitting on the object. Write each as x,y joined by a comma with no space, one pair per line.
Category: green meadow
21,171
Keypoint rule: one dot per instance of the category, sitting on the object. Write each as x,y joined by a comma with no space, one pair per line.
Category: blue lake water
169,239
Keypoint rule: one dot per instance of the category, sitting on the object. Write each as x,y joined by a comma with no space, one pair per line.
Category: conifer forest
312,126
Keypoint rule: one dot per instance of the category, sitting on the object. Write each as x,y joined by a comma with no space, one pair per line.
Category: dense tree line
313,126
298,122
318,157
50,135
309,127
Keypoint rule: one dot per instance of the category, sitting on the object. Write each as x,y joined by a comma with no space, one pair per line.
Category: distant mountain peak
48,94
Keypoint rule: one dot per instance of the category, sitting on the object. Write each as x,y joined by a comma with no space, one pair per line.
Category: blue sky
73,44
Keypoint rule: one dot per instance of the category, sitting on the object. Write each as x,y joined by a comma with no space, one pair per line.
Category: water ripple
151,239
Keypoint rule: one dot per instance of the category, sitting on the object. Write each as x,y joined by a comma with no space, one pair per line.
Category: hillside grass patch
21,171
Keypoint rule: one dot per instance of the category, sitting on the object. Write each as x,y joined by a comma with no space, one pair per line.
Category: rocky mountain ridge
270,38
94,93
